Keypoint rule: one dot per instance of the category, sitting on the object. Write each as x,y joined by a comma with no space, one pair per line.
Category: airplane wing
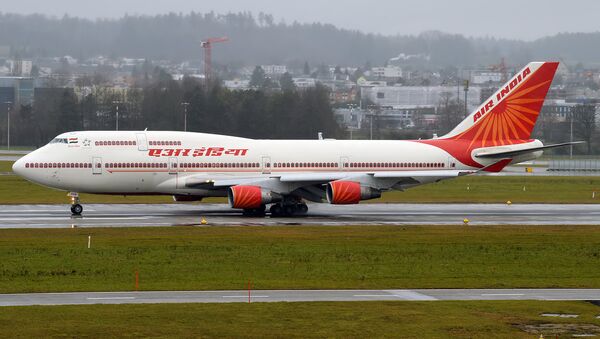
378,179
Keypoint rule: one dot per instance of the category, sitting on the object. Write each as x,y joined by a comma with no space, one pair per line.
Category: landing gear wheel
255,212
276,210
302,208
289,210
76,209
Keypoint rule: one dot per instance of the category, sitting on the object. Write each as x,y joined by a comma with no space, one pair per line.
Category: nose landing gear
76,208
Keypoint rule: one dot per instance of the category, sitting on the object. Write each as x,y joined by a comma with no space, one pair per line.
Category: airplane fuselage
146,162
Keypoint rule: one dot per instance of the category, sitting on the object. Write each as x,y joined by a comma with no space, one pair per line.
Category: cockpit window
59,141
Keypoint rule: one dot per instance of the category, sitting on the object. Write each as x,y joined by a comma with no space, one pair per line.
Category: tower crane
207,45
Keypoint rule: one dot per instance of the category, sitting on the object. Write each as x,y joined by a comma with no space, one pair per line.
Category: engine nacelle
250,196
349,192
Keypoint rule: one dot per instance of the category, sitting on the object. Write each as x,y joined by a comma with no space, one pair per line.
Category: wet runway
124,215
86,298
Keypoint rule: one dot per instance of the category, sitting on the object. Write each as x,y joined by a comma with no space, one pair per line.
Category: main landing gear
255,212
288,210
76,208
278,210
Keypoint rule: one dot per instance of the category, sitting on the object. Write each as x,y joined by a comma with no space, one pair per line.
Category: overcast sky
519,19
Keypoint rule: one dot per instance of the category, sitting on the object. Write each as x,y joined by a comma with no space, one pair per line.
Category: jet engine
250,196
349,192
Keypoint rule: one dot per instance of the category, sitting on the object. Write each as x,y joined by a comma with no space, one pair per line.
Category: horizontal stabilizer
511,154
497,166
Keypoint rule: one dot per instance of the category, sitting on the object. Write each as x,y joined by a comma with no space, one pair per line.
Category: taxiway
155,297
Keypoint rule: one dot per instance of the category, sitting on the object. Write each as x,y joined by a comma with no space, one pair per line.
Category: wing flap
421,174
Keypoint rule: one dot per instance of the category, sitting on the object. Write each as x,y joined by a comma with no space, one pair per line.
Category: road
125,215
83,298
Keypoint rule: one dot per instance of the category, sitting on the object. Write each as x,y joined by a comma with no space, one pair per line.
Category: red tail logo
507,117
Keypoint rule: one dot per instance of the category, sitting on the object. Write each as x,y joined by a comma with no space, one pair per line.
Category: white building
236,84
390,72
418,96
20,68
274,69
484,77
305,82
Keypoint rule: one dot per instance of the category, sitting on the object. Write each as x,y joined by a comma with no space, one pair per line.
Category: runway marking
501,294
411,295
110,298
245,296
375,295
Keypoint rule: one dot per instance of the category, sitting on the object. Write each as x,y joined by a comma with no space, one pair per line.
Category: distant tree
99,79
337,72
449,112
584,121
161,75
24,126
35,71
286,82
69,118
306,70
323,71
83,81
357,74
257,80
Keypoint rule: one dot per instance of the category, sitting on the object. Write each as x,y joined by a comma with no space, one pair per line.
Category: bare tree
584,121
449,112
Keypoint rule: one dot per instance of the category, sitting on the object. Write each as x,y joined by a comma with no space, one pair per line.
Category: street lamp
466,85
571,138
185,107
117,114
8,104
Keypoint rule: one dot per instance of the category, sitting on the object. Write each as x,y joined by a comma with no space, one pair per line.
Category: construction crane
207,45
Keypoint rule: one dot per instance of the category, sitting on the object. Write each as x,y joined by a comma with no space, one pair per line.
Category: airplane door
266,165
172,165
142,142
174,170
344,163
96,165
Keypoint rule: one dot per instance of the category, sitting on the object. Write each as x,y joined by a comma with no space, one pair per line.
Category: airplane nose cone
19,167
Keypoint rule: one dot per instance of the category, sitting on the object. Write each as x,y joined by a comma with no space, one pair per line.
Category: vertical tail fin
510,114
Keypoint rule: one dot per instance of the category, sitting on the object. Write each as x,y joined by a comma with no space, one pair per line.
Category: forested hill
261,39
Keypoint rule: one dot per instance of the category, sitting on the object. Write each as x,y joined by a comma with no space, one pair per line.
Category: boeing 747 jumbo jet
286,173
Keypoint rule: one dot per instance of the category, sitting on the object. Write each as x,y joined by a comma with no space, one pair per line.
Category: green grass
6,166
206,258
484,189
440,319
17,148
15,190
498,189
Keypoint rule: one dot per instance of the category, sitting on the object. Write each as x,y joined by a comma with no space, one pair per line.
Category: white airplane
286,173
